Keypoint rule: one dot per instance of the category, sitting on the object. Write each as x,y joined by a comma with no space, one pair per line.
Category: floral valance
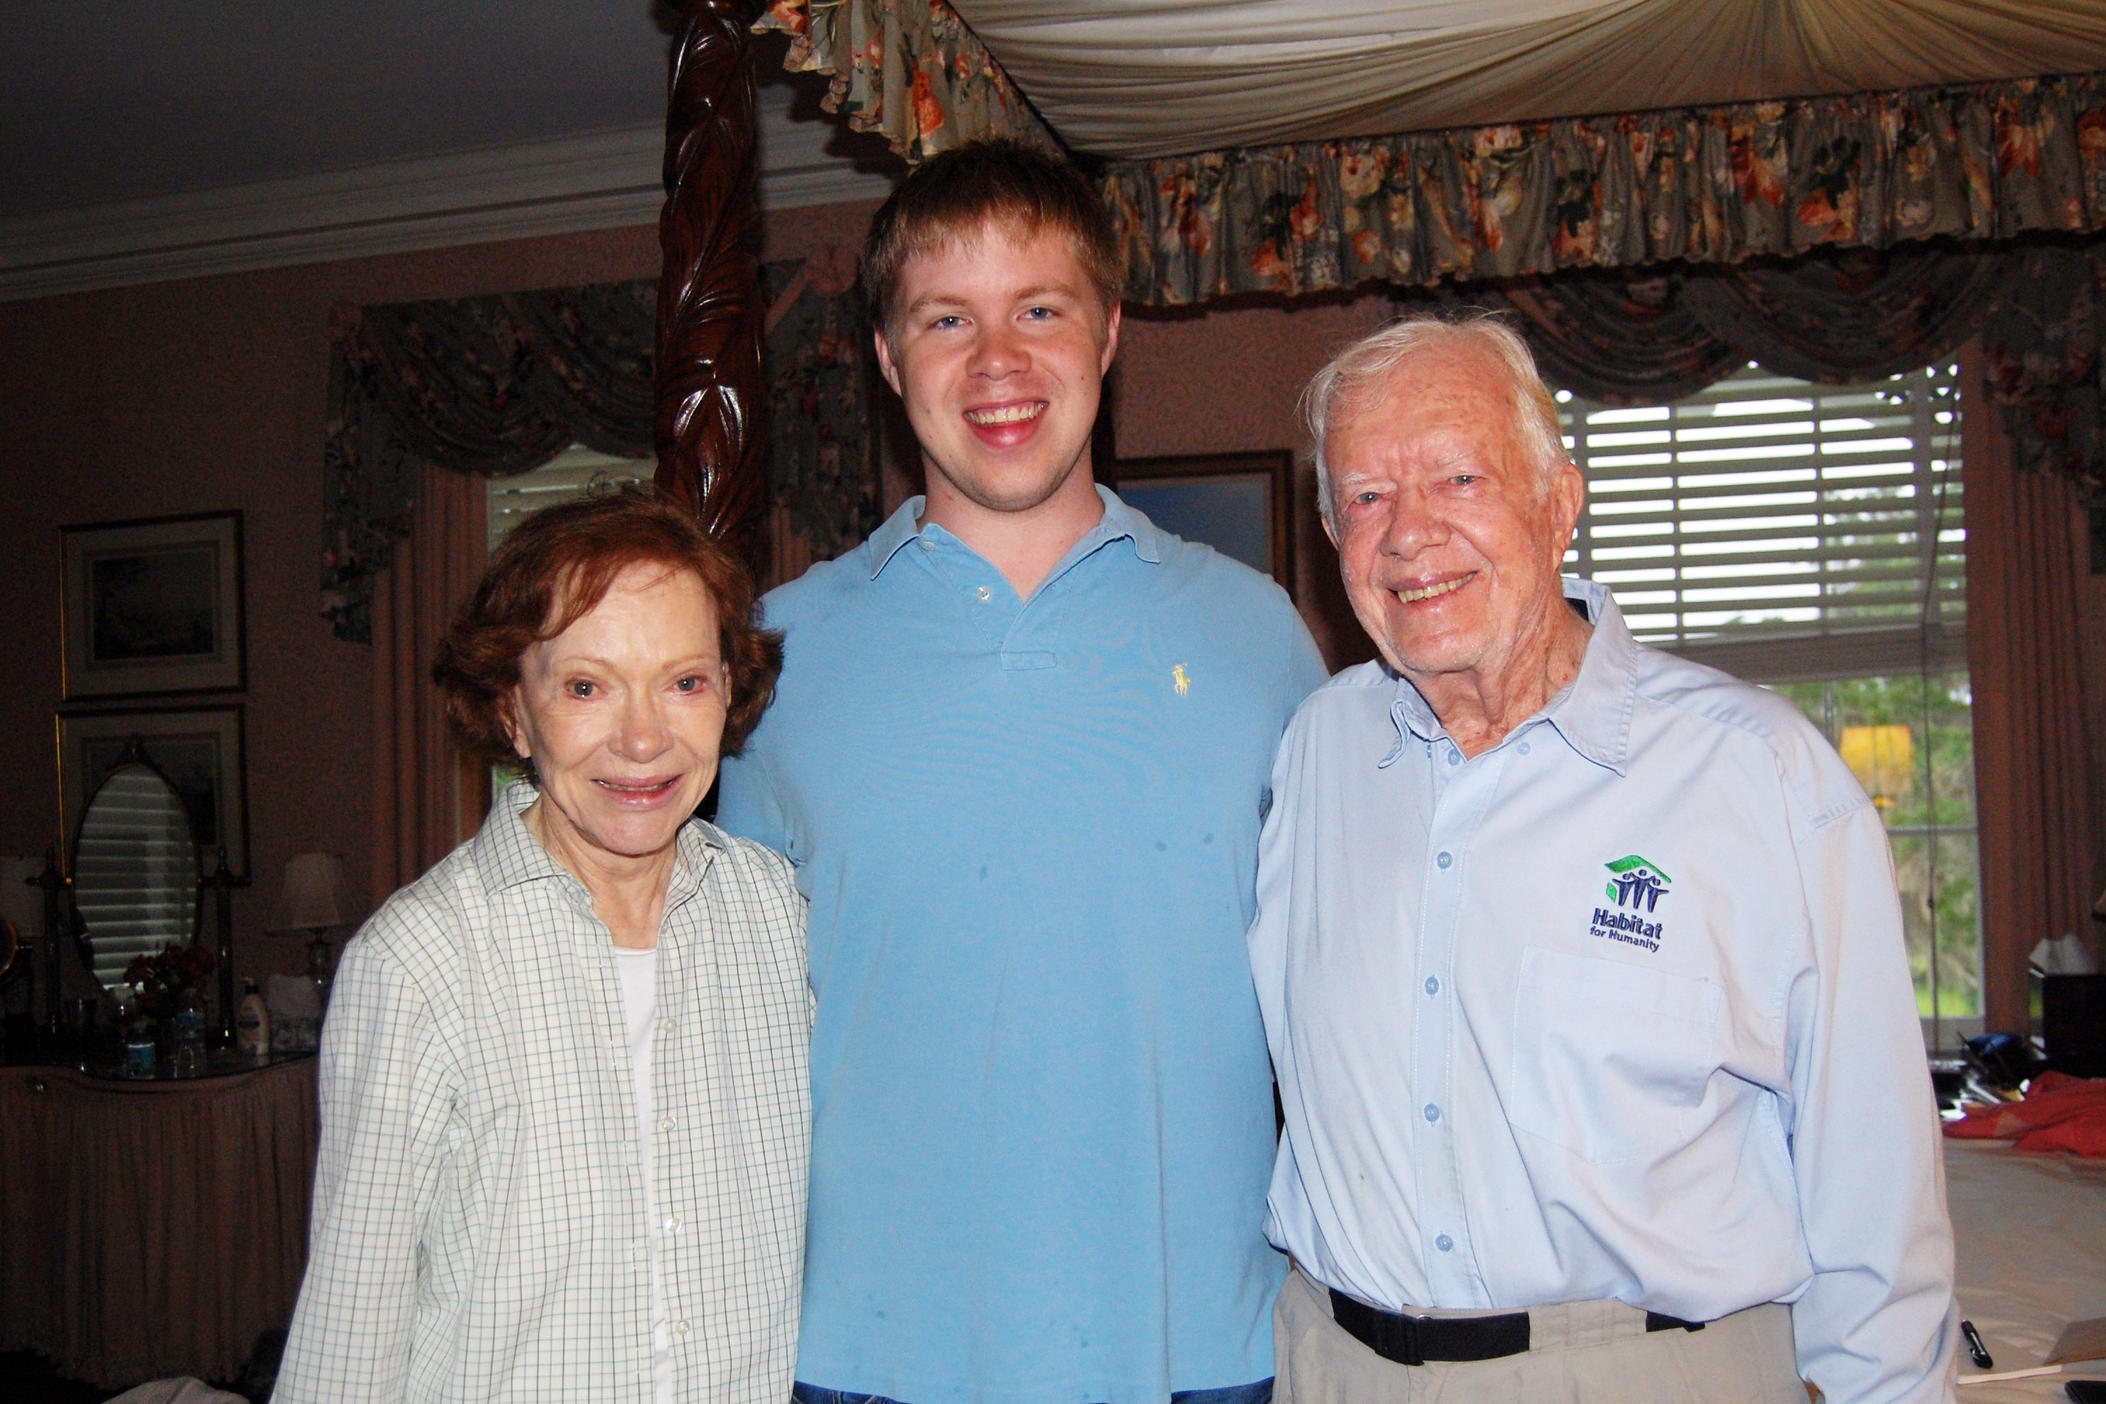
498,385
908,69
1645,336
1703,185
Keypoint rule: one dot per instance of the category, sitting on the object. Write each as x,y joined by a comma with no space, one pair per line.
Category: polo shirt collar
1593,713
1119,521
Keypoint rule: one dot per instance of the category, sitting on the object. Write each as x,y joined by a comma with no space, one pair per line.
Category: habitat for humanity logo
1637,883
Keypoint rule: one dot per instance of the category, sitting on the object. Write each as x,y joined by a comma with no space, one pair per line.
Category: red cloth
2059,1113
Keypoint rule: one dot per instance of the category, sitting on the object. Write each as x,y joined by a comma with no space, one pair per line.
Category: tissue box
2073,1023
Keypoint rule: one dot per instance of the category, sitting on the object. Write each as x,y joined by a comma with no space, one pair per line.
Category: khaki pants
1580,1353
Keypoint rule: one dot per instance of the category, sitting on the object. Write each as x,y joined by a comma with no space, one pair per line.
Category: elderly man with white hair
1581,965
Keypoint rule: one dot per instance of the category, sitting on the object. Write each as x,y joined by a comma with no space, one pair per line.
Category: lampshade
313,898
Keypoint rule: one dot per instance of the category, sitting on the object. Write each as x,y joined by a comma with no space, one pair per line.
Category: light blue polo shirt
1042,1112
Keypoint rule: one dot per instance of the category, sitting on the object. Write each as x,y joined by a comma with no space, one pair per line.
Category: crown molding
569,185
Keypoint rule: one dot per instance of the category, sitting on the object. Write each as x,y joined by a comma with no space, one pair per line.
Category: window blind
1778,529
135,873
572,473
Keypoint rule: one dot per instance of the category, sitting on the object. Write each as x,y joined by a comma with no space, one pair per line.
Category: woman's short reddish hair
552,571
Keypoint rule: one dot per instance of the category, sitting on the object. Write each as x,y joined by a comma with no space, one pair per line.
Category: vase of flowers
170,981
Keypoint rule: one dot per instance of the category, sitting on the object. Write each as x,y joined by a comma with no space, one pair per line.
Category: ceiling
178,137
175,138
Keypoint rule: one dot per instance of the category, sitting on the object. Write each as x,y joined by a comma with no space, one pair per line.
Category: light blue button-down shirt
1042,1125
1617,1008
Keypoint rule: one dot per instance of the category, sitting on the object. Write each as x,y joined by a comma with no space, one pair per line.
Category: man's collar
899,528
1593,713
1119,520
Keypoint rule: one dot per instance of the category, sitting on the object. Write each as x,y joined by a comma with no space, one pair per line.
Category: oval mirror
135,872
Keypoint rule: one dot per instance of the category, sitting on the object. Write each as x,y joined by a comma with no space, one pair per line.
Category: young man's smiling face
998,347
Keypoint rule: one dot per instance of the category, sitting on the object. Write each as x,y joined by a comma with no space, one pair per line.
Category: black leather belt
1414,1340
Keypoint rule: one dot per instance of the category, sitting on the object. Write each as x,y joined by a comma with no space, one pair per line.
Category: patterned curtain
493,386
822,464
2041,345
1842,315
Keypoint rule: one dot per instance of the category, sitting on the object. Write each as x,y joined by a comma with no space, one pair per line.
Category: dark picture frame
1241,504
152,606
203,752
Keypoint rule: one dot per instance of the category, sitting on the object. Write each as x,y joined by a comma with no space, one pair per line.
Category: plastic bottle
252,1023
189,1060
138,1044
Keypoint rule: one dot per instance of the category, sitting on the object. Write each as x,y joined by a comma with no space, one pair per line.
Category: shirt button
680,1329
1444,1243
1524,748
1455,757
1433,1113
672,1222
984,594
666,1026
1445,860
665,1123
927,544
1433,984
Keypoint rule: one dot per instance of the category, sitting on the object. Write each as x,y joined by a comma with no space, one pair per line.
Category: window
1812,538
574,472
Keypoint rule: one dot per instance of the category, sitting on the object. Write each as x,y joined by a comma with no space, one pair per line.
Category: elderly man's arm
384,1109
1877,1323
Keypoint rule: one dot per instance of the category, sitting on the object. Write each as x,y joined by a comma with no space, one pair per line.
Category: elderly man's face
1449,542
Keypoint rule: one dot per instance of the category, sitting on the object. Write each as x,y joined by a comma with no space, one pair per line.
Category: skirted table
152,1228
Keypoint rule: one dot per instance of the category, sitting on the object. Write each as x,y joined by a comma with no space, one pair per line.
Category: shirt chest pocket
1610,1059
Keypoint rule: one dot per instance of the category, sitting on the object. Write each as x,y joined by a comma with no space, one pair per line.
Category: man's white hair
1368,361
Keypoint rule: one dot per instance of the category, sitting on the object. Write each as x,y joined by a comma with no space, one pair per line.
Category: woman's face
622,714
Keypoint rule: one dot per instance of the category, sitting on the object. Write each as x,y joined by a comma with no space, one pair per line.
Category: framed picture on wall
199,749
151,606
1241,504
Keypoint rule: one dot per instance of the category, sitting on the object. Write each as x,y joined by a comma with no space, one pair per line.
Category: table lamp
312,905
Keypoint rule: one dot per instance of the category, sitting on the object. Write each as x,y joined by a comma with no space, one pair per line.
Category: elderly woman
563,1082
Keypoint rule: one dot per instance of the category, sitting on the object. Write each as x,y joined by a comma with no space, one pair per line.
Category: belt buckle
1403,1342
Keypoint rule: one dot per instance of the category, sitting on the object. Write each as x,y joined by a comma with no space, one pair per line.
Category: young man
1019,755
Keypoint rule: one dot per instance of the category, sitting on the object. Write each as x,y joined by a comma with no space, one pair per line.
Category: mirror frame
133,755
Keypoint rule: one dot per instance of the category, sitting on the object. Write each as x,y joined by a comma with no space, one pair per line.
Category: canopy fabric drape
910,71
1133,80
1701,185
1130,79
494,386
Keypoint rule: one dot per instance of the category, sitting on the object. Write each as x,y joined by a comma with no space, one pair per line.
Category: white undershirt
638,977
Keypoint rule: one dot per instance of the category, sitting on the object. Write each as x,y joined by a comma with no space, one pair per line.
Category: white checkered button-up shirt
479,1214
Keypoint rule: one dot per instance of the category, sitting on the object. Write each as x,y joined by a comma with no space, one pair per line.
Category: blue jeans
1259,1393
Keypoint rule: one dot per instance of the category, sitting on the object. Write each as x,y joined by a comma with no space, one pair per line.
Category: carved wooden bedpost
709,304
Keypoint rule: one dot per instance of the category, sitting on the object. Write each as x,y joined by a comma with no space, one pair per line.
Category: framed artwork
199,749
1241,504
151,606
